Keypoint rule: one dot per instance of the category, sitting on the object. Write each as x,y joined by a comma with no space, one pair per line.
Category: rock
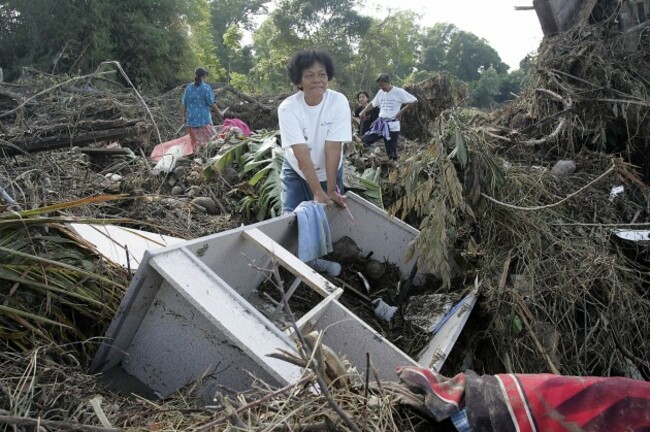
194,177
564,168
193,191
230,175
346,250
207,204
375,270
178,190
180,171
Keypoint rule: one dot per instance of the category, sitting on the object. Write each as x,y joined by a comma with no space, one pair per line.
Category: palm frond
53,288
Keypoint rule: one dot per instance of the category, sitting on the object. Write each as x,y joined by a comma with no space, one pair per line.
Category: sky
513,34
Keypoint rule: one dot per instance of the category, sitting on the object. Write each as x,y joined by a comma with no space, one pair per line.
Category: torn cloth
534,402
314,237
379,127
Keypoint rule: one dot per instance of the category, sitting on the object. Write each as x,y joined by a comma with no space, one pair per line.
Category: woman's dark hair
363,92
306,59
199,73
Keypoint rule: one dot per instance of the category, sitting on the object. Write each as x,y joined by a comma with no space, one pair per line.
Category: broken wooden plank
298,268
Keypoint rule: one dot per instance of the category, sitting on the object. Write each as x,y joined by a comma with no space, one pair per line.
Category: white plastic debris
167,163
365,282
616,191
383,310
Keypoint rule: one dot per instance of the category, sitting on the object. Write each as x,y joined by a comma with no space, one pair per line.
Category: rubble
562,261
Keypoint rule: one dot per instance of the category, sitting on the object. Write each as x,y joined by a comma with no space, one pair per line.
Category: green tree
486,89
240,13
272,54
232,42
467,54
148,37
201,40
435,44
332,25
392,46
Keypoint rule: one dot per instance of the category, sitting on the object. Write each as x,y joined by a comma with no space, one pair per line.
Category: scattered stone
346,250
206,204
564,168
178,190
180,171
194,191
230,175
375,270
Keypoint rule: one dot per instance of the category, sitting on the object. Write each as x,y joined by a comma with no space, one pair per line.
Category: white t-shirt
313,125
390,103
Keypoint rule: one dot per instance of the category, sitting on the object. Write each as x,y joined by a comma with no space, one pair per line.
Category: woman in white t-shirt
314,124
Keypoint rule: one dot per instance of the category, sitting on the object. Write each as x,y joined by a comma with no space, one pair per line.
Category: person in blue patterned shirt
197,100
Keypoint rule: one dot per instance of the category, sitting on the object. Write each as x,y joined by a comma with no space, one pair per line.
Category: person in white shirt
314,124
392,102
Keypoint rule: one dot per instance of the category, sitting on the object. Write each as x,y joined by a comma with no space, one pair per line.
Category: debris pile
545,203
531,210
435,95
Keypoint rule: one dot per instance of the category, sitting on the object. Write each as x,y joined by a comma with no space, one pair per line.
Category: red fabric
530,403
184,142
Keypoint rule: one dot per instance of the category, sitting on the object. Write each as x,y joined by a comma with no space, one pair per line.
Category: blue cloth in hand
314,238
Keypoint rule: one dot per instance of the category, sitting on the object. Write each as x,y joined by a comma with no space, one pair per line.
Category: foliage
434,193
238,13
333,25
366,184
435,45
485,91
159,43
511,84
264,166
53,289
467,54
148,37
202,42
392,46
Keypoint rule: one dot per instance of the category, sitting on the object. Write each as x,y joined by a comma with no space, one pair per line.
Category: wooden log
32,144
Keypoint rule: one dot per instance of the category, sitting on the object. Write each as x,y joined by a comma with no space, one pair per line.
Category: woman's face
363,99
314,80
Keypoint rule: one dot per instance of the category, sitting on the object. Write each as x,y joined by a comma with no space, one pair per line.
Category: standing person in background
314,124
364,125
392,102
197,100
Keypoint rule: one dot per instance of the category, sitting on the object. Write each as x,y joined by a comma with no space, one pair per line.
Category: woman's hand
337,199
323,198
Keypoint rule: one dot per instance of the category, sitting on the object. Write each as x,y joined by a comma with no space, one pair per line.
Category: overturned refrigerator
191,313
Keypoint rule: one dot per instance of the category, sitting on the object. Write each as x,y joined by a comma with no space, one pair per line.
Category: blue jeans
296,190
391,144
